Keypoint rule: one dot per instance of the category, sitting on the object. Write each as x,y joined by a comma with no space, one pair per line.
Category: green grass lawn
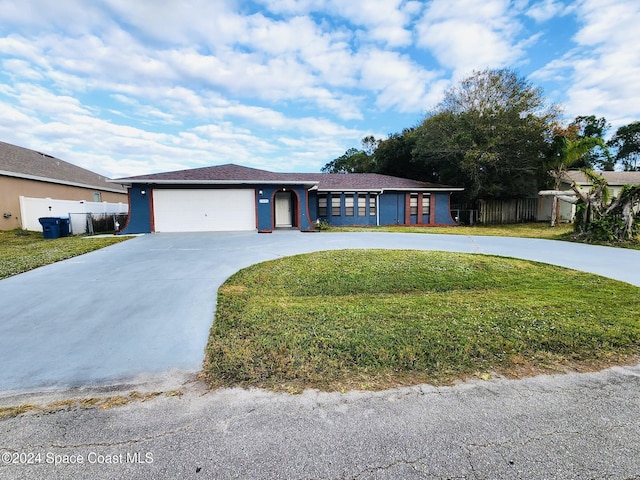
529,230
377,318
22,250
562,231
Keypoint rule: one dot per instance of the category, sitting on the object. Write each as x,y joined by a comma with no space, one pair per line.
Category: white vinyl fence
31,209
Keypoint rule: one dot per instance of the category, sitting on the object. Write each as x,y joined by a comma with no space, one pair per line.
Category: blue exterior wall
392,208
344,219
139,220
266,207
140,208
443,208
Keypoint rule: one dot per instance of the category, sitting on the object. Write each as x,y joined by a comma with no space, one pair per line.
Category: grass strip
542,230
21,250
372,319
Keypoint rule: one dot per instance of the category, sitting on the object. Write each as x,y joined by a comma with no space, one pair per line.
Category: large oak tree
490,134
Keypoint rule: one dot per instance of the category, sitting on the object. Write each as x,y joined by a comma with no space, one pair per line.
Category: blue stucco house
231,197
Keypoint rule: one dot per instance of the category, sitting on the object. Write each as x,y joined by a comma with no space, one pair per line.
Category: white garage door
186,210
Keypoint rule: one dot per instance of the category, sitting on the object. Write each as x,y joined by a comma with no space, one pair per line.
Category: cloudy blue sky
127,87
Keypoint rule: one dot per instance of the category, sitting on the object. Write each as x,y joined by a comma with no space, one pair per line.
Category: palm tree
567,153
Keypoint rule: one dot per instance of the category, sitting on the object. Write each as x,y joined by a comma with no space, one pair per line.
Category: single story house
615,181
29,173
232,197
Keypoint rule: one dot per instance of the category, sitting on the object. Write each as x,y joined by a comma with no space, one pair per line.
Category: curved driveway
144,307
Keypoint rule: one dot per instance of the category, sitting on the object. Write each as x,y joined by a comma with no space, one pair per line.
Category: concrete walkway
144,307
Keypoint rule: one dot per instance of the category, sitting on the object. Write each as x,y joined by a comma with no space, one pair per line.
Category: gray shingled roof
612,178
24,163
235,174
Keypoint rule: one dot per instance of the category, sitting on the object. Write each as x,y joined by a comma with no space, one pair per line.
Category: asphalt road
575,426
136,316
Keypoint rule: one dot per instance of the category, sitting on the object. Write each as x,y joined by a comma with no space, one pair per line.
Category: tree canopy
495,135
627,141
489,134
352,161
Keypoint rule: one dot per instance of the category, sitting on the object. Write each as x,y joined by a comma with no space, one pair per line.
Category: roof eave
426,189
26,176
149,181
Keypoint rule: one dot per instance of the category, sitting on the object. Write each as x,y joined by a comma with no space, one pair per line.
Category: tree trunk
627,215
554,211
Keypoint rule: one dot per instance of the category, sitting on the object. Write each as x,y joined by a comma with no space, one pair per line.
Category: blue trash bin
50,227
65,226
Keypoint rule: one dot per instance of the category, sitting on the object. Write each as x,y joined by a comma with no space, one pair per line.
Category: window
322,205
97,197
372,205
362,205
426,203
335,205
348,205
413,204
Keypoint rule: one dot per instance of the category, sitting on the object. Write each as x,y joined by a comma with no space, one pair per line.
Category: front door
284,213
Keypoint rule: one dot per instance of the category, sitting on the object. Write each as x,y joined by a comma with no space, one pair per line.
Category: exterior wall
265,207
442,208
343,218
11,188
393,209
141,208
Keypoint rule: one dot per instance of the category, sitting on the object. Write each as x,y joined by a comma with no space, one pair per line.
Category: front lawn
562,231
371,319
22,250
528,230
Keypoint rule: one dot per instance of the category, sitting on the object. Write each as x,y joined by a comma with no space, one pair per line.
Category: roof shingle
24,163
220,174
612,178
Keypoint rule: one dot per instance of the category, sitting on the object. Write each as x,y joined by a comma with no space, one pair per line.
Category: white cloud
21,69
471,34
73,16
385,21
548,9
604,68
399,82
210,23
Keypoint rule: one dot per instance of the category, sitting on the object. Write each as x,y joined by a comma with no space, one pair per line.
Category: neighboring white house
615,180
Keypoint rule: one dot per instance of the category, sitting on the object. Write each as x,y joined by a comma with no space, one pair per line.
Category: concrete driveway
142,308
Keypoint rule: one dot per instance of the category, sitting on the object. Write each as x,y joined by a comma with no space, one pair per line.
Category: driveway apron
144,307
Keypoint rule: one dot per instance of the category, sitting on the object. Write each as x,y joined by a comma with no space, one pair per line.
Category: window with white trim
426,203
362,205
372,205
335,205
322,205
348,205
413,204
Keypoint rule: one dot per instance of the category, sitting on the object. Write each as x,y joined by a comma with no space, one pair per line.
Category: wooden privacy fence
508,211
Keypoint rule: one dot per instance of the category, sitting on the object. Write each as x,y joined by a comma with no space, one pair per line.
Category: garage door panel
186,210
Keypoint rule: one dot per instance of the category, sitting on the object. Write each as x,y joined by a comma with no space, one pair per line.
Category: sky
131,87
